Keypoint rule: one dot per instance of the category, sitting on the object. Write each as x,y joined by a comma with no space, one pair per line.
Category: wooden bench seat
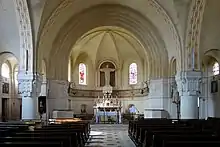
73,137
28,144
191,144
169,133
158,140
59,135
65,140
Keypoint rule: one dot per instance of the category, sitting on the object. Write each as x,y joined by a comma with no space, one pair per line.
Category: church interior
110,73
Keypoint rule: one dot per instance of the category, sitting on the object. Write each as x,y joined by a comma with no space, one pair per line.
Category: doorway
4,109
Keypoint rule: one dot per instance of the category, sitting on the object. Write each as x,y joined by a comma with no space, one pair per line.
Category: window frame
215,69
133,81
85,74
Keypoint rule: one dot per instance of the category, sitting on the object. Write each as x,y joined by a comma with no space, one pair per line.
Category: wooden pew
154,133
64,140
73,136
28,144
192,144
63,136
160,140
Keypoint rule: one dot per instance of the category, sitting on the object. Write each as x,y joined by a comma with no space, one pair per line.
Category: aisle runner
109,136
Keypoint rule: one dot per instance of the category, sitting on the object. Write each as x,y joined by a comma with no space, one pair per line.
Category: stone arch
152,40
116,65
152,10
9,85
44,70
214,53
10,59
82,57
194,26
26,37
173,67
209,58
8,56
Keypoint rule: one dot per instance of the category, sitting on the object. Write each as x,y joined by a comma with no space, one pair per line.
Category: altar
107,109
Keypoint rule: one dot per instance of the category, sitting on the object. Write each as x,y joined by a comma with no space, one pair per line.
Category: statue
107,72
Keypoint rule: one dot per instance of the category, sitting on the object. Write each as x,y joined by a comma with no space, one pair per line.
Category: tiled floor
106,135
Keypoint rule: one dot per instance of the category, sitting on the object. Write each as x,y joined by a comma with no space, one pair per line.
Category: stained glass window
133,73
5,71
82,74
69,71
215,68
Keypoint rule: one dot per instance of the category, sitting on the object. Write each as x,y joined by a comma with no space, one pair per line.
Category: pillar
29,88
156,103
188,84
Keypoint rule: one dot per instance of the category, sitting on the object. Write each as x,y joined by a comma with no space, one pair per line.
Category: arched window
133,73
5,71
82,74
69,71
215,68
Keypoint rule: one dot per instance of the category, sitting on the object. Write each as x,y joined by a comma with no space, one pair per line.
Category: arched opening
82,74
11,100
5,71
104,77
16,78
215,68
173,68
101,40
211,106
133,72
69,70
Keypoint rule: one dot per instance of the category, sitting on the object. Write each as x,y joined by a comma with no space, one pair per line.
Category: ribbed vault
112,15
117,16
109,43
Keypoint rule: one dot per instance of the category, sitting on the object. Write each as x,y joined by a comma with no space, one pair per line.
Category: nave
109,135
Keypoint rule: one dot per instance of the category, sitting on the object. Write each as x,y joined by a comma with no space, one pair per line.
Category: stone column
29,88
156,104
188,84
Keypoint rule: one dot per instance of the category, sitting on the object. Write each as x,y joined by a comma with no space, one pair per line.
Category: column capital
188,82
29,84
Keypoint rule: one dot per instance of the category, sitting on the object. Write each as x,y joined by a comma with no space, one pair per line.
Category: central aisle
109,135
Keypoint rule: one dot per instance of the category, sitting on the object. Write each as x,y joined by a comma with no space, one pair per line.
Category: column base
155,113
188,107
29,109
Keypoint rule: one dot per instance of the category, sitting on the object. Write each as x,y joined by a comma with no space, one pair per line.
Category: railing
125,118
74,92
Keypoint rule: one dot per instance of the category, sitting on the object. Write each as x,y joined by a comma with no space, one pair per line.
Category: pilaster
29,86
188,84
156,104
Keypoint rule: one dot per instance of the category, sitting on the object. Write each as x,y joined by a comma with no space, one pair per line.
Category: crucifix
107,72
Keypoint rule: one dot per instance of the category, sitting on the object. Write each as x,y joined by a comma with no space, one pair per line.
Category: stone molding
141,92
193,31
189,83
29,84
26,36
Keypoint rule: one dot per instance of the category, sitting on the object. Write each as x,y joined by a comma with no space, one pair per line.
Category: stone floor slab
109,135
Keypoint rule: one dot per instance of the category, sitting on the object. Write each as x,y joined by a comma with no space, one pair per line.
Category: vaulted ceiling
160,25
109,43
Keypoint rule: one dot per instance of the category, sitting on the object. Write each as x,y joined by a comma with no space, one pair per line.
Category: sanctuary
107,108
